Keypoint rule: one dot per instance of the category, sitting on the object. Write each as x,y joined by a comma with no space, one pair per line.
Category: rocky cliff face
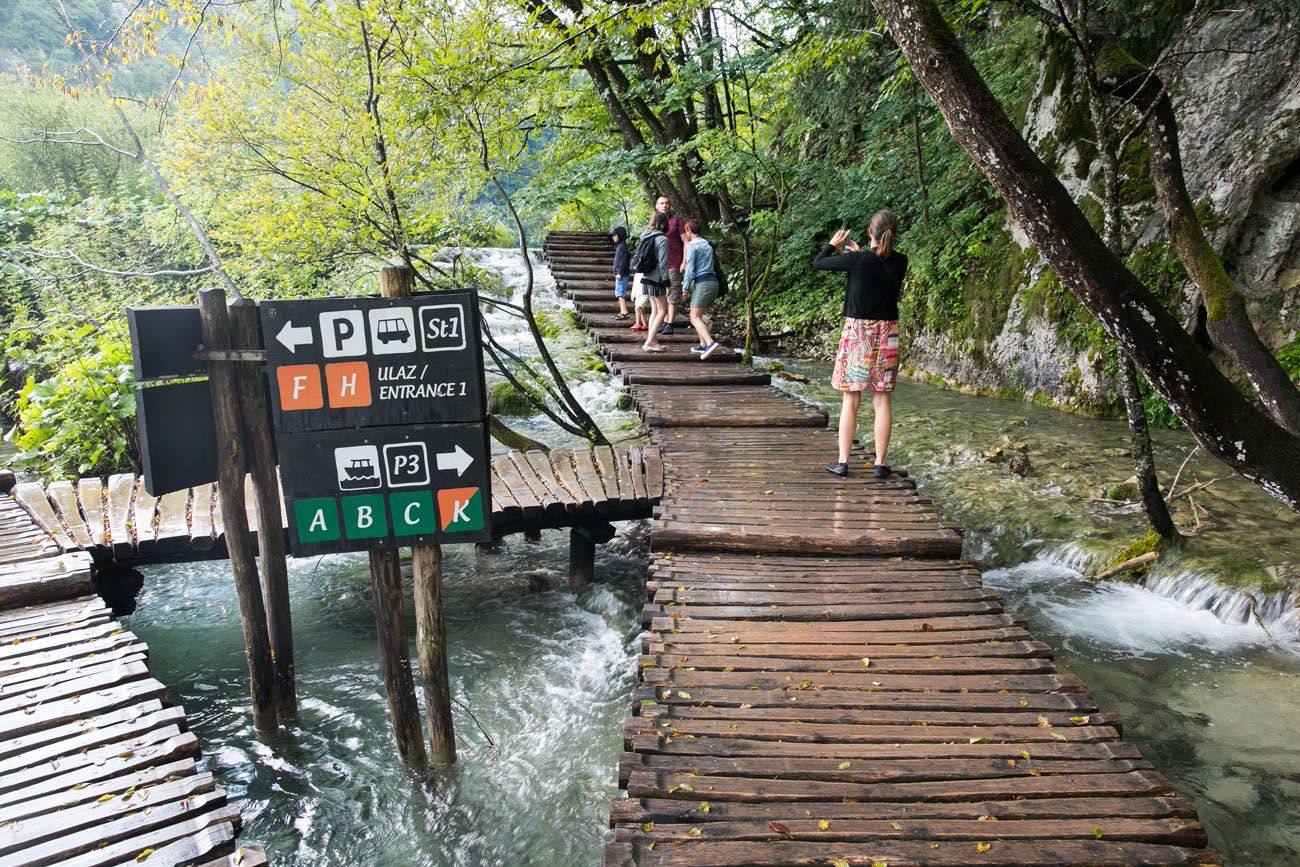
1238,103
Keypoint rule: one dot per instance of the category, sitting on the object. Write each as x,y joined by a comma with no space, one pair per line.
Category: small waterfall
1276,612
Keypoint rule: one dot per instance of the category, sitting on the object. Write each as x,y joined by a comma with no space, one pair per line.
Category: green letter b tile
364,517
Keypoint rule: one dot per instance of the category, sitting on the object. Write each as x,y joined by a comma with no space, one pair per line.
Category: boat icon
357,468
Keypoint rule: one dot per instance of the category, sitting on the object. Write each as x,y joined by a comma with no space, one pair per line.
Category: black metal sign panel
163,340
178,441
365,362
385,487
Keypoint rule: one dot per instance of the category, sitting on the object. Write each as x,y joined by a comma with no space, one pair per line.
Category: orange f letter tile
299,387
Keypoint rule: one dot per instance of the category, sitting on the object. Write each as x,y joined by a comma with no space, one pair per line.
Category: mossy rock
1148,543
505,399
624,401
549,325
595,364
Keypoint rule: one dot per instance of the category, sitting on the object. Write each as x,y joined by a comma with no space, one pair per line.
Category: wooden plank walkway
530,491
97,766
823,680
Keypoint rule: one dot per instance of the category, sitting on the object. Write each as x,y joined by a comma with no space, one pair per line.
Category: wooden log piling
231,460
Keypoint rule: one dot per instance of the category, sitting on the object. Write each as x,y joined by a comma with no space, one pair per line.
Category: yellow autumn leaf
704,806
143,855
694,832
866,662
823,825
983,847
844,766
980,740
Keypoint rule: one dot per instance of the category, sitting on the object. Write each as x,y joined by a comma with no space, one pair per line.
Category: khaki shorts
674,286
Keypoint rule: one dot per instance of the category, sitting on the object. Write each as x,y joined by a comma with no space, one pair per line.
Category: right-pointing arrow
293,336
459,460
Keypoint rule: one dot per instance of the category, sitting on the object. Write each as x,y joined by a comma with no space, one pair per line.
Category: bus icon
392,330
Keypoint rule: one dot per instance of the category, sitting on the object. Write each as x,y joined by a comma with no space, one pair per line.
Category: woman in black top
868,353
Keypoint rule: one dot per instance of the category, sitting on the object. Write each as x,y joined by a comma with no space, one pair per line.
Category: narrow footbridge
824,681
97,766
117,519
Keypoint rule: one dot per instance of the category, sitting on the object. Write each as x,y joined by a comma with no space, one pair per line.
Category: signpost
380,413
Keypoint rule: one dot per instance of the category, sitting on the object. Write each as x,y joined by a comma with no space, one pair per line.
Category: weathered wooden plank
652,458
31,496
49,804
121,492
143,516
1044,853
64,497
18,839
202,537
90,496
173,525
604,458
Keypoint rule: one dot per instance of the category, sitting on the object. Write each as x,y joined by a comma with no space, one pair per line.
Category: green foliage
76,410
505,399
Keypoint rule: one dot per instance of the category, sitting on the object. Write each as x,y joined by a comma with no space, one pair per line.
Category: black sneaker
880,471
667,329
840,470
619,316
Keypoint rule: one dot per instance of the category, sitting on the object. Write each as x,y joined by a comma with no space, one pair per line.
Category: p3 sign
386,487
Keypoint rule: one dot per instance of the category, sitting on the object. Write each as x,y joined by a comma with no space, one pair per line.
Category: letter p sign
343,334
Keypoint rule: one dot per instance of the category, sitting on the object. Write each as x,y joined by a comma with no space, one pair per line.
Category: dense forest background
289,148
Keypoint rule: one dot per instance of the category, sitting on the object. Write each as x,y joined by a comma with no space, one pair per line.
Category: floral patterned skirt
868,356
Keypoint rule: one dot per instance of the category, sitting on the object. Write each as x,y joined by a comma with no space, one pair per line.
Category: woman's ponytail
884,230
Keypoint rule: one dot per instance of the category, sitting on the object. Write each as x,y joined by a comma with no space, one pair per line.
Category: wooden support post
266,488
582,559
395,655
431,643
532,535
7,481
230,474
430,631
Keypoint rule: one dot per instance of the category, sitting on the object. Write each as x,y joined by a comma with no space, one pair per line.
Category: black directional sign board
385,487
380,412
361,362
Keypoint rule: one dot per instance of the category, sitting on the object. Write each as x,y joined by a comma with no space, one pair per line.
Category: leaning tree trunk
1215,412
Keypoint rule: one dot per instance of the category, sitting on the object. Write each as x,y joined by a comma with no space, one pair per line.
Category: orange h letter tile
349,383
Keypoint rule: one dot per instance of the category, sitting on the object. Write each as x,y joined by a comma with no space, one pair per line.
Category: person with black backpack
651,261
701,283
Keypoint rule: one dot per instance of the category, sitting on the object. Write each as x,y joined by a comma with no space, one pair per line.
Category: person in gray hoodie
656,280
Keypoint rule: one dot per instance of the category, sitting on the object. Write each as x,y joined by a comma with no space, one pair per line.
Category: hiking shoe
619,316
709,350
880,471
840,470
697,349
667,329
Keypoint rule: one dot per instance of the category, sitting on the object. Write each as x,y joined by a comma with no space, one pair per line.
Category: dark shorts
653,290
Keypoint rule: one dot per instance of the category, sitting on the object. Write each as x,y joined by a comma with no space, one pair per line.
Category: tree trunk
1217,415
1144,466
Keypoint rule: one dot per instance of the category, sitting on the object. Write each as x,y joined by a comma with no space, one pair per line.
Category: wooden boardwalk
116,519
823,680
97,766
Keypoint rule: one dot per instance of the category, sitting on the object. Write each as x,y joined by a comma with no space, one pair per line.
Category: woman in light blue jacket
699,284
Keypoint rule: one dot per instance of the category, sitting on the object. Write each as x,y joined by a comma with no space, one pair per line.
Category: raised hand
852,246
838,239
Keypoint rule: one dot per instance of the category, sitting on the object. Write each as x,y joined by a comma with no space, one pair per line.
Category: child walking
867,359
619,237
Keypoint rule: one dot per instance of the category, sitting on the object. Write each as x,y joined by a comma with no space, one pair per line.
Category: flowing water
1209,695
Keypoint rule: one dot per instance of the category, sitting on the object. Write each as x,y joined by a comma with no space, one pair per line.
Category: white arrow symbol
293,336
458,460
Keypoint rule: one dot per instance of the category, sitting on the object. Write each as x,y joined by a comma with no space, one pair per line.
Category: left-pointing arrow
293,336
459,460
